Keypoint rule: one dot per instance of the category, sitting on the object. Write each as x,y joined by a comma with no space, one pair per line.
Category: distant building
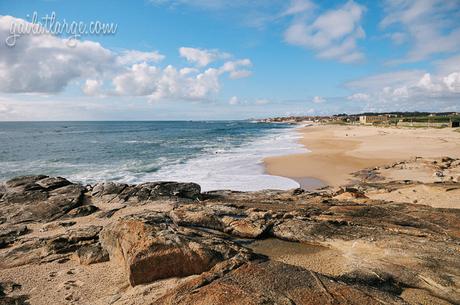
373,119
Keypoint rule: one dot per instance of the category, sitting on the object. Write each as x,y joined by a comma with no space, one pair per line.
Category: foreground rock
272,283
167,243
152,248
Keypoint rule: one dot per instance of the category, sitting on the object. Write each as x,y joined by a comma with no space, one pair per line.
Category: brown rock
151,247
272,283
238,222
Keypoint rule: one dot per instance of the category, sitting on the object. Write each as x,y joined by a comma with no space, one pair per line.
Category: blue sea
215,154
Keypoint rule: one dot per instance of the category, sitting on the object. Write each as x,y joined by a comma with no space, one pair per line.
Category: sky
216,59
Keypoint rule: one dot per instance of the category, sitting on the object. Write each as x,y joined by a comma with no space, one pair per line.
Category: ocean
215,154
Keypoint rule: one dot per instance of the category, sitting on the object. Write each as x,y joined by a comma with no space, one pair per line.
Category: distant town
410,119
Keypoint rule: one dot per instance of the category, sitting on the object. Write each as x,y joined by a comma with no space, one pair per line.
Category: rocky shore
381,239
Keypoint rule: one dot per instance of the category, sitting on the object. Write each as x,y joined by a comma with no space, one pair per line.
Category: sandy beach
338,150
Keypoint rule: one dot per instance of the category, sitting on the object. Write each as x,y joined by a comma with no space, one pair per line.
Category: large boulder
152,247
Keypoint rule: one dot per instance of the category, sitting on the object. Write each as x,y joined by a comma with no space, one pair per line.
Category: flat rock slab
272,283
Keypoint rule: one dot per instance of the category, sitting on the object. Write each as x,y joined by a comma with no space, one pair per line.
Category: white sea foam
239,168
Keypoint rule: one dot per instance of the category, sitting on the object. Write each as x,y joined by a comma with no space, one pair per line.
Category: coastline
336,151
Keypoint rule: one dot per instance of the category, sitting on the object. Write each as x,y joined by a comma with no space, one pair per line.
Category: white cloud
46,64
141,79
398,37
452,82
318,100
333,34
167,83
201,57
298,7
133,56
430,26
409,90
172,83
234,100
92,87
359,97
233,68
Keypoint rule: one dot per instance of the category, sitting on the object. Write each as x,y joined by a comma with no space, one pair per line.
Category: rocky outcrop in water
168,243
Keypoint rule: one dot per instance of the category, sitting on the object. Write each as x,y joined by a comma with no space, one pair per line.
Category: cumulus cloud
409,90
156,83
134,56
236,68
46,64
332,35
172,83
430,26
201,57
452,82
92,87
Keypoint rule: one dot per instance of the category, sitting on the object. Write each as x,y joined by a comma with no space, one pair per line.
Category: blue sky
215,59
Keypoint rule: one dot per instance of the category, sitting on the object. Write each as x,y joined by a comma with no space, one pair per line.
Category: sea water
215,154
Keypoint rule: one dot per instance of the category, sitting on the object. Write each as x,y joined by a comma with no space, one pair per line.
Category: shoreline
336,151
